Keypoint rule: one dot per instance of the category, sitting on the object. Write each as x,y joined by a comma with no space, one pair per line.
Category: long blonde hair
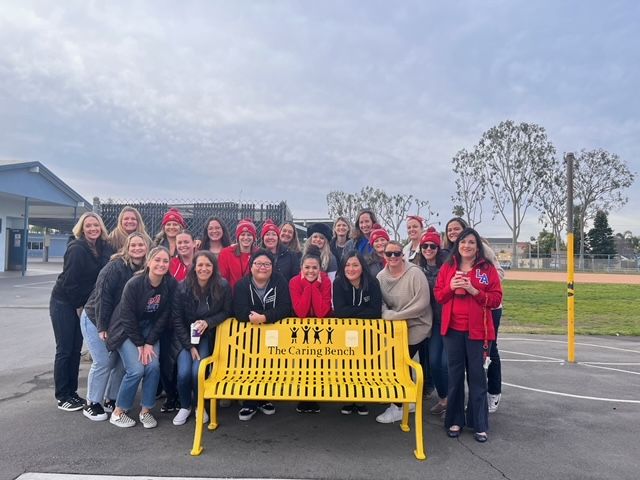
123,253
325,252
78,230
118,235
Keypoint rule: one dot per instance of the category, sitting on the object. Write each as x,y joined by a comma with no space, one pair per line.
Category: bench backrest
323,348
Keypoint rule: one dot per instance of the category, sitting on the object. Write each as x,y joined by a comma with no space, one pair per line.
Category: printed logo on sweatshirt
270,299
483,277
153,304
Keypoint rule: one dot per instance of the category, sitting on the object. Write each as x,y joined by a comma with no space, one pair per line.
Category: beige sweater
407,298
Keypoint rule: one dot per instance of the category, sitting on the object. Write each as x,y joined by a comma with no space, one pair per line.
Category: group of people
148,308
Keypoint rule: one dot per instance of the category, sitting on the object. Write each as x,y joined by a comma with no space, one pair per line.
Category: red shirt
178,269
485,278
311,299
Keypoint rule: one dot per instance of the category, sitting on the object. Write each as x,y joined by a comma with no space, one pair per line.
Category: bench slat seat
311,359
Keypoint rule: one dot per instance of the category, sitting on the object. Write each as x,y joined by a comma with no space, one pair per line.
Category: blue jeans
438,362
136,371
188,373
494,372
66,366
104,363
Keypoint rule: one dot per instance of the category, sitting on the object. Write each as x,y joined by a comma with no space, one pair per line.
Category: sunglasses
392,254
429,246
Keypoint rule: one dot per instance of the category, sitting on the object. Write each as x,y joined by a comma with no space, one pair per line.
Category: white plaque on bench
351,338
271,338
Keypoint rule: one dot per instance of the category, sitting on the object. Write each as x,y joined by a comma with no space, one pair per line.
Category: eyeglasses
393,254
429,246
262,264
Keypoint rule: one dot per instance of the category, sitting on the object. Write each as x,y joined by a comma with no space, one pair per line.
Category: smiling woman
83,260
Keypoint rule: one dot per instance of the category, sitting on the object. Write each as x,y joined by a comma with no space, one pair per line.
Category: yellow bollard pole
571,305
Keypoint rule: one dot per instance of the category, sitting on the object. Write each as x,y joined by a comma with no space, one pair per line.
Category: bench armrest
202,369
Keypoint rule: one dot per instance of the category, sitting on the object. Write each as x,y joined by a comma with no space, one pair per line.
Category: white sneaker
147,420
123,420
412,408
494,401
182,416
392,414
205,417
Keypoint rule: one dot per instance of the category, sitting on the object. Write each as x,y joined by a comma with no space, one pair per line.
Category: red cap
173,215
269,226
246,225
378,233
431,236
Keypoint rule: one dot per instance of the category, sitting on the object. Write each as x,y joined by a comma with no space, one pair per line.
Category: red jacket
307,296
178,269
233,267
485,278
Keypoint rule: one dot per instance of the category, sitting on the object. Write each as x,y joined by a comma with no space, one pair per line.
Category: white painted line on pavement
528,360
564,342
614,363
561,394
588,364
69,476
532,355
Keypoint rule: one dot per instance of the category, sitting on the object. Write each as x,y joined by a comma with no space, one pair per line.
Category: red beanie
417,218
246,225
269,226
378,233
431,236
173,215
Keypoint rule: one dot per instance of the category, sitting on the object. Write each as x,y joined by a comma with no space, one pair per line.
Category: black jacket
107,293
351,302
275,305
125,321
185,305
80,271
287,263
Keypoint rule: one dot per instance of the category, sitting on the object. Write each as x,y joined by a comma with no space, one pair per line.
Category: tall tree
601,236
514,159
470,186
342,204
551,201
600,179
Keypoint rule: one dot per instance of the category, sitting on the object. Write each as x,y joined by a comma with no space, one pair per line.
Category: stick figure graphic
330,335
316,334
294,334
306,329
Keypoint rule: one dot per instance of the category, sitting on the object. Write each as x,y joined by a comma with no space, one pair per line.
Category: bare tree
514,160
342,204
551,201
600,178
470,186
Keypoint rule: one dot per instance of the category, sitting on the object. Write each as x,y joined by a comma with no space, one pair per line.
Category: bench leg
197,437
404,424
213,418
419,451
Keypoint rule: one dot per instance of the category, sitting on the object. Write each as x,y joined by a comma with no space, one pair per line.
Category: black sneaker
348,409
109,405
247,413
267,408
70,405
362,410
94,412
170,405
78,398
308,407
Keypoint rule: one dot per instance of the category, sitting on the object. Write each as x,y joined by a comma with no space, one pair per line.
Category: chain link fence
195,213
612,263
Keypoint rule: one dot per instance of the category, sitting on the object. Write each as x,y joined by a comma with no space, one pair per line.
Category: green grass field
541,307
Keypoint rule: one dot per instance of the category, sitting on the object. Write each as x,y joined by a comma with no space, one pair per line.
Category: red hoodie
485,278
311,299
233,267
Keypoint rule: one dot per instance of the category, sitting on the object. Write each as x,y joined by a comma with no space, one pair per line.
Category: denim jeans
136,371
463,355
66,366
104,364
494,372
438,362
188,373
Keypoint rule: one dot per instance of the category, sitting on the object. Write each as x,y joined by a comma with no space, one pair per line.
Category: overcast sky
267,100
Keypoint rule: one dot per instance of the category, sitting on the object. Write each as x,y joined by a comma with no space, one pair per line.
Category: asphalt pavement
556,420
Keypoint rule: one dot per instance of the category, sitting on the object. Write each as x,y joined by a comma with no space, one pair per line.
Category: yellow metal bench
311,359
